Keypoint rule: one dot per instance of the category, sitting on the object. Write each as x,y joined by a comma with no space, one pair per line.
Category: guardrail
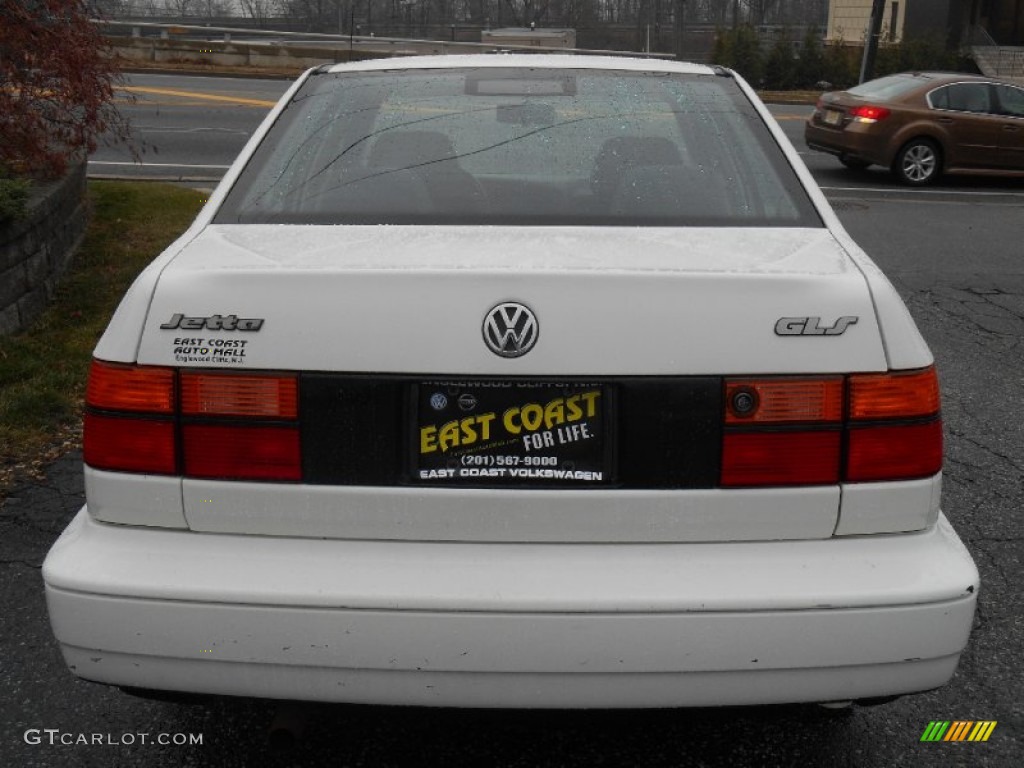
352,43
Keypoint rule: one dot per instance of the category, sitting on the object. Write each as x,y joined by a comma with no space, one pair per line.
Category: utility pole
867,64
678,17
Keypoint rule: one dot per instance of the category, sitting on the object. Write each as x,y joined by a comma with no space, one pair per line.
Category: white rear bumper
538,625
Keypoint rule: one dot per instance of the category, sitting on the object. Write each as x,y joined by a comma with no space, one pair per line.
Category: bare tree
214,8
525,12
180,8
317,14
257,10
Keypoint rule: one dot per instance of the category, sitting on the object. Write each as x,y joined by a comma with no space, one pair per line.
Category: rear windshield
519,146
890,87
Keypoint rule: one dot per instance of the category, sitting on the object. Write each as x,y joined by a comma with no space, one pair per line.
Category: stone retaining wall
36,250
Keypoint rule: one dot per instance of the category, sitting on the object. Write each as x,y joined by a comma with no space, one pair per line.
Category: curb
165,178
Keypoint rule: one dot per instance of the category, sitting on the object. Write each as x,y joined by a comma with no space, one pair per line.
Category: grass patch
43,370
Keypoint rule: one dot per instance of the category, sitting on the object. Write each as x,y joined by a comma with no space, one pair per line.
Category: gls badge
811,326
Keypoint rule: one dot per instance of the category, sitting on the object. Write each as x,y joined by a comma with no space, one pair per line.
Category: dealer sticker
511,433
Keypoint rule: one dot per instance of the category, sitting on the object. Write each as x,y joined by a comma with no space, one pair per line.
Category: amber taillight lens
141,389
896,395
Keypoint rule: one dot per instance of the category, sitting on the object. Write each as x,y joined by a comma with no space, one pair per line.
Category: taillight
211,394
221,425
767,449
143,389
894,452
233,452
129,422
124,443
894,395
895,431
784,400
869,114
780,458
831,429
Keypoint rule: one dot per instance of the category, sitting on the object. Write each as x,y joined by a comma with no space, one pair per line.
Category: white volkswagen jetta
514,381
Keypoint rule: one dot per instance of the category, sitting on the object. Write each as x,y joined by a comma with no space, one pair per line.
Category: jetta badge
510,329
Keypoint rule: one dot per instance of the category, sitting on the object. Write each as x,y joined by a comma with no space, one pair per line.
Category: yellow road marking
238,100
162,103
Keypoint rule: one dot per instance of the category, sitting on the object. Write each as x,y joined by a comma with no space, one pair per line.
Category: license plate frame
832,117
533,433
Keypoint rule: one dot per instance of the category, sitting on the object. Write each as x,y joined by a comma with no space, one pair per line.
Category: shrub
841,64
57,90
780,69
746,54
918,54
740,49
721,51
13,199
810,64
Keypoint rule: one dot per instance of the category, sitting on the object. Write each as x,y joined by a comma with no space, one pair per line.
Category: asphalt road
186,127
955,253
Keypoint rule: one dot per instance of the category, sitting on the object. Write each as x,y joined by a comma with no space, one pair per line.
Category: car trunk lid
379,323
413,300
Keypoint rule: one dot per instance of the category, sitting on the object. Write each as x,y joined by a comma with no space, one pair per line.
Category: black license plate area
530,434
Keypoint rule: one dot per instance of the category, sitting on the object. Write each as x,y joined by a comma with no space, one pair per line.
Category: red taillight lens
900,452
780,458
869,114
230,452
129,444
268,396
116,387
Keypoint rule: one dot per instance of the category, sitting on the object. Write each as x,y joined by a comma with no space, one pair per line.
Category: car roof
531,60
944,77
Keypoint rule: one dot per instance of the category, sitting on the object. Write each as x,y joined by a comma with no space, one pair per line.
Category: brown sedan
923,124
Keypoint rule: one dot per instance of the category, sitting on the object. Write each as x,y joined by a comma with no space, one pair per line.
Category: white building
848,20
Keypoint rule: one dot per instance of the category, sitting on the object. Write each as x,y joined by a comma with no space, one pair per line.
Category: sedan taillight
226,426
831,429
869,114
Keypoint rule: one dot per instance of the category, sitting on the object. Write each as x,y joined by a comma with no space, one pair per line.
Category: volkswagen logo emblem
510,329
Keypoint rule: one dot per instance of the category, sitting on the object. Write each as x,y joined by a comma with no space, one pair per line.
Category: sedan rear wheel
918,162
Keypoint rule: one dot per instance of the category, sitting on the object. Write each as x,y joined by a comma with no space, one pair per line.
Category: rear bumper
546,625
855,141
